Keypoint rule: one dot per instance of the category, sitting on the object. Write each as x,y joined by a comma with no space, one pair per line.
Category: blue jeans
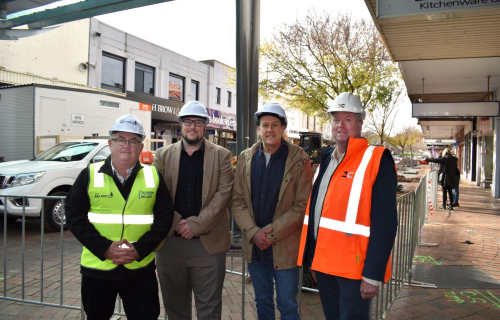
286,290
455,191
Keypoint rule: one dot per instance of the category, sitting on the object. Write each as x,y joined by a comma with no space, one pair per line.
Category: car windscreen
67,151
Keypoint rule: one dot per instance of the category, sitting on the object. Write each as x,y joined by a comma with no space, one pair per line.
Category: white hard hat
272,109
193,109
346,102
128,123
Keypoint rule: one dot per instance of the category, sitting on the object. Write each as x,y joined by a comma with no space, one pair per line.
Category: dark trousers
139,296
341,298
447,191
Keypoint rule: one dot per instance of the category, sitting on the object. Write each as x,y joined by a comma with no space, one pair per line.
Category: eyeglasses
121,142
197,123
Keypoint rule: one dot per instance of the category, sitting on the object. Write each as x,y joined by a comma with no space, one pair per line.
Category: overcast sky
206,29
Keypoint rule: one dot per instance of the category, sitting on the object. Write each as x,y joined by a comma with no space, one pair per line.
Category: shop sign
209,131
144,107
165,109
221,120
77,120
395,8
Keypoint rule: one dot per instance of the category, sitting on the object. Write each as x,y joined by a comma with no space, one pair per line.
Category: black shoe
456,204
450,207
442,207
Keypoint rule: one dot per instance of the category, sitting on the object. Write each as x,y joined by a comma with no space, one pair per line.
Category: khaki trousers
184,267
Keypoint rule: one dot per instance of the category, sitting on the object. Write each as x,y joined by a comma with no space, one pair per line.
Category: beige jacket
212,224
290,211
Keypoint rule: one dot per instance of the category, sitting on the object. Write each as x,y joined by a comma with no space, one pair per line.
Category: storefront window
113,70
176,88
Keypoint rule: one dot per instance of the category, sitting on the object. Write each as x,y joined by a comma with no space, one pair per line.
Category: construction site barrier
25,276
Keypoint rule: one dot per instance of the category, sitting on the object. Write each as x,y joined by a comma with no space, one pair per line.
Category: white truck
51,173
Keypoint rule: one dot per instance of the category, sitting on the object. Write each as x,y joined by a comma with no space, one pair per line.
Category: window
113,71
144,79
229,96
217,95
101,155
109,104
176,88
194,90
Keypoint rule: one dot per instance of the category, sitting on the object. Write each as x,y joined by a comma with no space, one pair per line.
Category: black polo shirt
188,194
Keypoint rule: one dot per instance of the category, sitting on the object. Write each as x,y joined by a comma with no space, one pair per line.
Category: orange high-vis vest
344,226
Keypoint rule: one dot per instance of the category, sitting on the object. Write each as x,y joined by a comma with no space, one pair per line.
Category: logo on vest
146,194
348,175
98,195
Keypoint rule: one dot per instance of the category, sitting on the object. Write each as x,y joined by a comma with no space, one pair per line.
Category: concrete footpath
465,264
464,267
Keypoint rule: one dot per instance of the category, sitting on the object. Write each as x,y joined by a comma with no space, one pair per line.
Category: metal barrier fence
413,208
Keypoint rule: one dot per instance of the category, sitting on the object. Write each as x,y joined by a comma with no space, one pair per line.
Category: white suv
51,173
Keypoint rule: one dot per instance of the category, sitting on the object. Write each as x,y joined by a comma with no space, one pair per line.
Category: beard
192,141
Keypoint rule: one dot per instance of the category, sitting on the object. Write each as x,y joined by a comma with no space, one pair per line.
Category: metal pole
254,69
62,258
242,72
41,251
23,242
5,247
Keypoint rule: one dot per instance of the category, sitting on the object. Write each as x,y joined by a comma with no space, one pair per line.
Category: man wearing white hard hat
199,176
351,220
271,188
120,210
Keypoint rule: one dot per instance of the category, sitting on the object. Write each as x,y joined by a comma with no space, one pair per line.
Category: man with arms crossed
351,220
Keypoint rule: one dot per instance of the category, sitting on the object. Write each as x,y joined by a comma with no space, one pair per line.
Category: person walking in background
199,176
120,211
448,181
455,190
351,219
271,188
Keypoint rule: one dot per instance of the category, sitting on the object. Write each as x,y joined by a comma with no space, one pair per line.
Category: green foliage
309,62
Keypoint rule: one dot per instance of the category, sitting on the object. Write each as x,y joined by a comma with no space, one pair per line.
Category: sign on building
77,120
396,8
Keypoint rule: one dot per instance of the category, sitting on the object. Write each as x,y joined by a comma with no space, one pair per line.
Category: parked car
51,173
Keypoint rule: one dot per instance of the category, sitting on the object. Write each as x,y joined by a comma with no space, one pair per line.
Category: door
53,123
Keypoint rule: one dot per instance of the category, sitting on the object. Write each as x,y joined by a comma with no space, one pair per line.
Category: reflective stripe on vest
349,226
126,219
344,226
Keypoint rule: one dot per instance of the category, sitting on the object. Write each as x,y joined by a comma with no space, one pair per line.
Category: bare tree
371,137
381,116
415,141
311,61
405,138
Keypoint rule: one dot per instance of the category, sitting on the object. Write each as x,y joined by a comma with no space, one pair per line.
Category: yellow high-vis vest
117,218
